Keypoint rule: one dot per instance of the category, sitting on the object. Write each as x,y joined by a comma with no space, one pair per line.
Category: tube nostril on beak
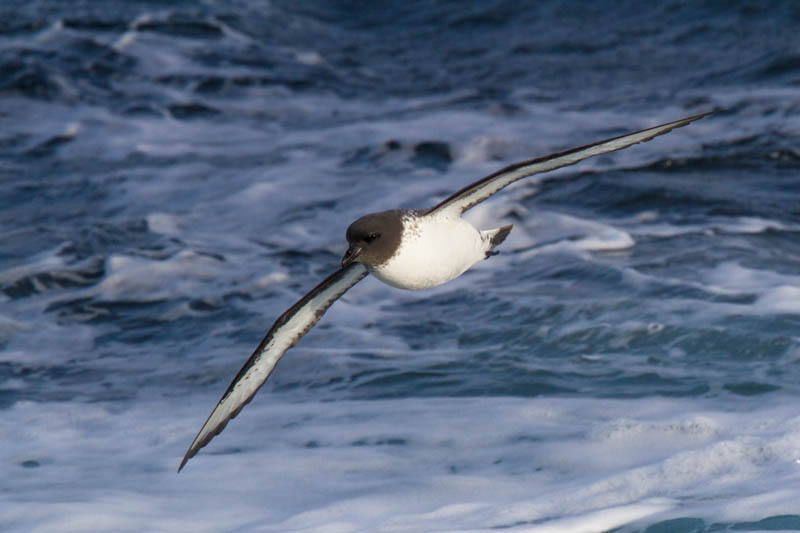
351,255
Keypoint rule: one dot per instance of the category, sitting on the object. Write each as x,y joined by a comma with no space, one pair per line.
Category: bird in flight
405,248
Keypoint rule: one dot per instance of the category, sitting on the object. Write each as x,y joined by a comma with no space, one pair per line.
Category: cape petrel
405,248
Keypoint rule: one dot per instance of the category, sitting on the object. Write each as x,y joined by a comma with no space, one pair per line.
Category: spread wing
479,191
285,333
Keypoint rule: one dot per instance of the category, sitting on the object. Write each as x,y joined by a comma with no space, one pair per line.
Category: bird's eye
371,237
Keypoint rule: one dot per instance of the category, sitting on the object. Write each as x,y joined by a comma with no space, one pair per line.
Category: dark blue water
174,175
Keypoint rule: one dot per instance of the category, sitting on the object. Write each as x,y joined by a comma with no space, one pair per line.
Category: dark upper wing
479,191
285,333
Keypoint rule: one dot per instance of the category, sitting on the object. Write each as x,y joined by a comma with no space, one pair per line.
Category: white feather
433,250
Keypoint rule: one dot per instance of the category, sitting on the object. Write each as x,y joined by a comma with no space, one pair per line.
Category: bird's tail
495,237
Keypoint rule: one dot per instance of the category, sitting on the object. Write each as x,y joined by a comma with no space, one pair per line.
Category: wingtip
657,131
186,458
684,121
698,116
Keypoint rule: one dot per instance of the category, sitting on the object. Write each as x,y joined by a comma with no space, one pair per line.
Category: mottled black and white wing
479,191
285,333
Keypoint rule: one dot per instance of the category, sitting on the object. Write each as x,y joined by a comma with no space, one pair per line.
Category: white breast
433,250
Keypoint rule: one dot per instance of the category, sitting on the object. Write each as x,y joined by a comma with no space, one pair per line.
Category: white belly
432,251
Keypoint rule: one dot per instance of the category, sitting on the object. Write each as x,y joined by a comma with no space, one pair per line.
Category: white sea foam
469,464
163,223
781,299
733,276
560,232
145,279
775,292
39,264
647,223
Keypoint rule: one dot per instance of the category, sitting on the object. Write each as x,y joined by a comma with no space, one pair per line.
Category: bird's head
374,238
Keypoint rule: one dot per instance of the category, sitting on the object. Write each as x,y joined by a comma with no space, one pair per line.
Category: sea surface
174,175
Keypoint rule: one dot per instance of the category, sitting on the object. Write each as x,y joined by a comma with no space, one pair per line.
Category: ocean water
174,175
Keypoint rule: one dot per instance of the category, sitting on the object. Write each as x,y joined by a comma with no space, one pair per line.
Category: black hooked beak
351,254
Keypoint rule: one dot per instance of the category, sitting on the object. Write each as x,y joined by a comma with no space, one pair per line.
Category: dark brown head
374,238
